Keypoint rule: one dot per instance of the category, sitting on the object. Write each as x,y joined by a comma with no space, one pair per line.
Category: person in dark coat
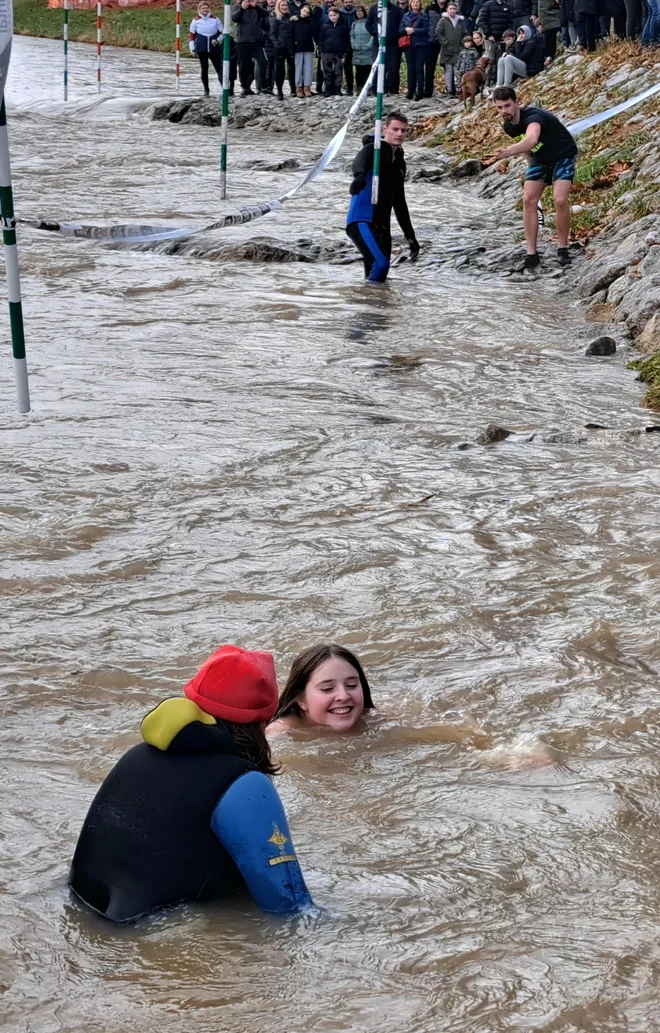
251,26
549,13
450,33
281,33
191,814
586,22
269,51
349,14
494,17
522,12
434,11
334,44
392,50
304,40
567,18
524,59
415,25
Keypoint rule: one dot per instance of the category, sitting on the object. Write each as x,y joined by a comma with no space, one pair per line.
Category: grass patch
139,27
649,373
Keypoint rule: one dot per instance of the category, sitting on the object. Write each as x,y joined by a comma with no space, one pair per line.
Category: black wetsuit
368,225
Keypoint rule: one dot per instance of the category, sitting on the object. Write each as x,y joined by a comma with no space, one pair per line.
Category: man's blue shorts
548,174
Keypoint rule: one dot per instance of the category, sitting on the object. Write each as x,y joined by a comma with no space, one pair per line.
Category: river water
232,451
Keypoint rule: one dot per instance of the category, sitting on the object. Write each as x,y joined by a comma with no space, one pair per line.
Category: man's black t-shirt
555,142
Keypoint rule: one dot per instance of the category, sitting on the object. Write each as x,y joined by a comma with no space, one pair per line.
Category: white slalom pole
65,39
224,125
9,223
380,90
177,44
99,43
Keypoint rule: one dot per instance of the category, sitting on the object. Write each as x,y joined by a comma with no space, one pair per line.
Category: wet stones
466,169
492,434
601,346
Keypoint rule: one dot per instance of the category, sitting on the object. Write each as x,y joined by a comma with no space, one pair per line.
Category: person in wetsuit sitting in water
367,224
191,812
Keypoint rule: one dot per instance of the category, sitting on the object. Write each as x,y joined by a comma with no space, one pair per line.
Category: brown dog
472,83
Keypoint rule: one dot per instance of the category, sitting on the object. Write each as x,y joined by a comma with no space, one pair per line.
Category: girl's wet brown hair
253,744
303,668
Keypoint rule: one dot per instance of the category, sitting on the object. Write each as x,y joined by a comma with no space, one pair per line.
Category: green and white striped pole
380,91
65,40
224,125
9,222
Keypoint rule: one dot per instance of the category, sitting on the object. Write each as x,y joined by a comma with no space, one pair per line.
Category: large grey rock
601,346
601,273
618,289
651,264
467,168
619,77
640,302
649,340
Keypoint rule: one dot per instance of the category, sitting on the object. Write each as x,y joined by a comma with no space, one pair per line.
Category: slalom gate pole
11,268
380,90
99,42
65,40
177,44
224,125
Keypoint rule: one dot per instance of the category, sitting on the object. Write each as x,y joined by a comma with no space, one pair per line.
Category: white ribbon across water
137,234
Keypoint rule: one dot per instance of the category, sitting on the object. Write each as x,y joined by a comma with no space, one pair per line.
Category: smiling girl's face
333,696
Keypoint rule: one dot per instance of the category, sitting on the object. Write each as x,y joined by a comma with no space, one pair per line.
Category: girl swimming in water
326,688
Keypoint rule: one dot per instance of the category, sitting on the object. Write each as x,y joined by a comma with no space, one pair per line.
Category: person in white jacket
206,41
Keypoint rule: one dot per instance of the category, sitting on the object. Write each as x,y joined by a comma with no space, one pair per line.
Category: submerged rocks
601,346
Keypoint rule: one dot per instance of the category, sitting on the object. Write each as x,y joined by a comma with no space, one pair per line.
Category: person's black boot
563,256
531,261
280,95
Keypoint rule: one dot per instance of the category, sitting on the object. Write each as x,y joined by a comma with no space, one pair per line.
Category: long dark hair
253,744
303,668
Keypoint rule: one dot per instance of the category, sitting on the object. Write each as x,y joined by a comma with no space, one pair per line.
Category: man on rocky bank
551,152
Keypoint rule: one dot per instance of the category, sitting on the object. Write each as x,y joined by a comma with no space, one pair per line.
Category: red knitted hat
237,685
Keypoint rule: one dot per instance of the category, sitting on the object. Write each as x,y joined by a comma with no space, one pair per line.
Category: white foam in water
113,108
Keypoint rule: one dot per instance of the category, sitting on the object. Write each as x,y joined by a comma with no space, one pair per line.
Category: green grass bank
143,28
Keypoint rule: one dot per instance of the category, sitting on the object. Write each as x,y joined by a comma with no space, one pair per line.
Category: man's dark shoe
247,93
563,256
531,261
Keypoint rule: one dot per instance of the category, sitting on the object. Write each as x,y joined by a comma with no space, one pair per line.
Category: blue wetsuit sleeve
251,824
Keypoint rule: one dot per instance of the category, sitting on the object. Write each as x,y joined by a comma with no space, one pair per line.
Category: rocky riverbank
616,201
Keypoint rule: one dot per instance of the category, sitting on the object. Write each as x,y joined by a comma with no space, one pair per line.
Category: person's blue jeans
651,33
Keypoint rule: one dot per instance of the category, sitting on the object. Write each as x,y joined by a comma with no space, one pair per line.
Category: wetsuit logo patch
280,840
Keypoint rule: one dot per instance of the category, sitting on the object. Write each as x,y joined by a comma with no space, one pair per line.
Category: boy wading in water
551,152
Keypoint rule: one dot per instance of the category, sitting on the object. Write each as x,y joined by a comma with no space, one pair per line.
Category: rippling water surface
232,451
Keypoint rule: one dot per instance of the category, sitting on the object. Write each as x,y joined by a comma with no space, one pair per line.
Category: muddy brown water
229,451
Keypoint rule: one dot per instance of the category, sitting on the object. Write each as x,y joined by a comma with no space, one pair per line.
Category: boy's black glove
413,244
358,185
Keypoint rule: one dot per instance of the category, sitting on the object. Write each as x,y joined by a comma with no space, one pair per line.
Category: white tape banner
137,234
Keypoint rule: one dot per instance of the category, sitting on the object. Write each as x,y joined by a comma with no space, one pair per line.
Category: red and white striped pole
177,65
99,42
